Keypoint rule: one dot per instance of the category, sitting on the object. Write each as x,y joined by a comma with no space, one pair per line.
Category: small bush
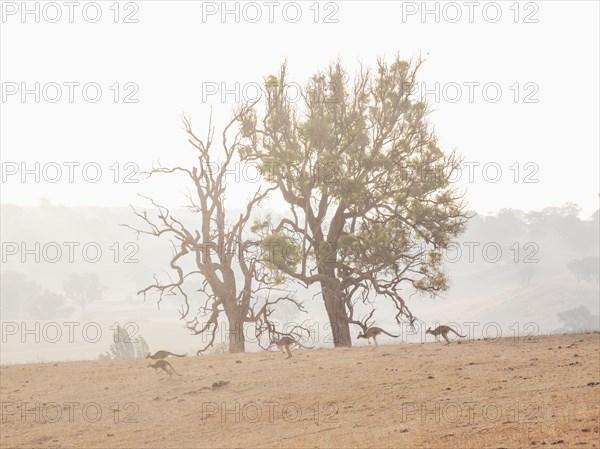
125,347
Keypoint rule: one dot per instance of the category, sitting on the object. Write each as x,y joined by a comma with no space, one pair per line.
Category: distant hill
507,268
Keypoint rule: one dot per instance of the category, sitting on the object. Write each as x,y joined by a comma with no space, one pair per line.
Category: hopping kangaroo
287,342
373,332
165,366
443,330
161,355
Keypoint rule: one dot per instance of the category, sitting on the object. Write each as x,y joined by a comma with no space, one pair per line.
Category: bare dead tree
364,323
234,286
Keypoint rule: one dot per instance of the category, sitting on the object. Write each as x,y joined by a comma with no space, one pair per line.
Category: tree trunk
340,328
235,333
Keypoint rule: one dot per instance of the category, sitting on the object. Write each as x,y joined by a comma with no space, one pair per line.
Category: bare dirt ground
511,393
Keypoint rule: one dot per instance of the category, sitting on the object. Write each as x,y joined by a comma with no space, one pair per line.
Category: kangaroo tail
391,335
176,355
463,336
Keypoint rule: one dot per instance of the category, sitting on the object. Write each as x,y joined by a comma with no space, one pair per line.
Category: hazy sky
522,97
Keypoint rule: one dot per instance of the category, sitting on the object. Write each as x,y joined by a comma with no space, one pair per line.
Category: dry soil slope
540,392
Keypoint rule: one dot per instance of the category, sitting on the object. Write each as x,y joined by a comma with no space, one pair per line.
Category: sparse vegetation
586,269
124,347
579,319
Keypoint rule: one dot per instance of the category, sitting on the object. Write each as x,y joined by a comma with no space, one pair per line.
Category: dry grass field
541,392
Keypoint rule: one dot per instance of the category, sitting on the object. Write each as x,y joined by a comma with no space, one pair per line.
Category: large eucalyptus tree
371,202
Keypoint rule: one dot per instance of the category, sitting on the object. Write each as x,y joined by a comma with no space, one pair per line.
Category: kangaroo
287,342
443,330
160,355
373,332
165,366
